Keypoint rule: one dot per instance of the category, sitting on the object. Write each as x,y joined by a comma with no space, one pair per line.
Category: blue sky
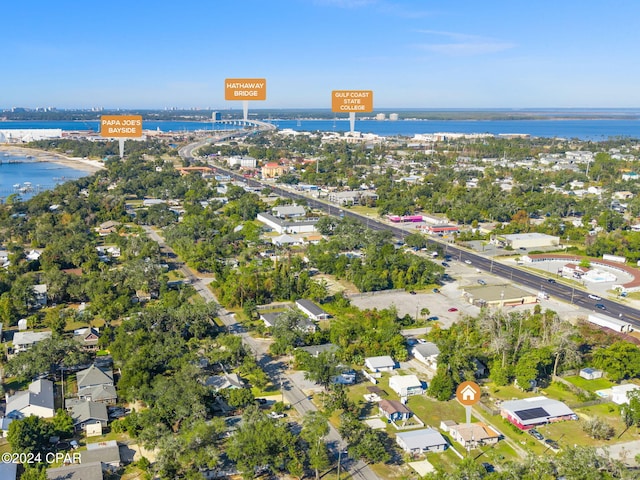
411,53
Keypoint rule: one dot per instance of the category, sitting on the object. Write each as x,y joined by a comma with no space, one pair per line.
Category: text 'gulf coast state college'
352,101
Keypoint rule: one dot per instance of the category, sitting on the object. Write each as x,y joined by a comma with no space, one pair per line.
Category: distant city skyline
412,53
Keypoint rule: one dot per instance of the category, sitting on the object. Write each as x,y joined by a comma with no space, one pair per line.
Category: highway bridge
564,291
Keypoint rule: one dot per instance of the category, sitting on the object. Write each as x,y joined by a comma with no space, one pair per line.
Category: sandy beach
83,164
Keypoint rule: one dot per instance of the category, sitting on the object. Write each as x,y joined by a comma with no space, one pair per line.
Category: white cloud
462,44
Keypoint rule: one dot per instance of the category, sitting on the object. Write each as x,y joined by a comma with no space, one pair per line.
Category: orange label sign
468,393
245,89
352,101
121,126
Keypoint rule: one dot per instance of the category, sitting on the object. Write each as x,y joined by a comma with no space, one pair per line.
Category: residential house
8,471
529,412
96,384
312,310
107,453
620,393
315,350
76,471
382,363
406,385
421,441
223,382
87,338
473,435
394,410
427,353
37,400
40,294
23,341
108,227
88,415
269,319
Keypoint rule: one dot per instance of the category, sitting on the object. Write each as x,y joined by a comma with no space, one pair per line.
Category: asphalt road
562,291
275,369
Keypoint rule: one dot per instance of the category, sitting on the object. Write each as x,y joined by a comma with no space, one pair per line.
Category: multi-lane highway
556,288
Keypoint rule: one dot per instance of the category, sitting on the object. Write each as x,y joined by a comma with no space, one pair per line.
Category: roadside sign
245,89
352,101
121,126
468,393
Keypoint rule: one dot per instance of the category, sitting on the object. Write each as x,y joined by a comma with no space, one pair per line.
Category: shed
591,373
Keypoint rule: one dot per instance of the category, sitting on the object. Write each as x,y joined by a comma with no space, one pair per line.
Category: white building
382,363
406,385
421,441
619,393
427,353
36,400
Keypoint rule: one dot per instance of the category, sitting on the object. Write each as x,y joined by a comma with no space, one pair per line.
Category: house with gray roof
95,384
94,376
89,413
382,363
8,471
288,211
37,400
427,353
23,341
76,471
421,441
269,319
311,310
223,382
107,453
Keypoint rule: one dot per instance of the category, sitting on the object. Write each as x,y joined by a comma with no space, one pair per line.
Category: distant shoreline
83,164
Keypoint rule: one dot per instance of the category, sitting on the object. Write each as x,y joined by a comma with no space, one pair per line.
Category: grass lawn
561,392
590,385
508,392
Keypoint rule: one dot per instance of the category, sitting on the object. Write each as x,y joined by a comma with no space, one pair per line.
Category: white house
36,400
474,434
311,310
421,441
619,392
383,363
406,385
22,341
427,353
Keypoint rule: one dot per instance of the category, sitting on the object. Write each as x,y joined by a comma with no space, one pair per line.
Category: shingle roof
84,411
39,393
421,439
94,376
83,471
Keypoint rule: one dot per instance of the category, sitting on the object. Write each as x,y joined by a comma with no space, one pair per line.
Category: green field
590,385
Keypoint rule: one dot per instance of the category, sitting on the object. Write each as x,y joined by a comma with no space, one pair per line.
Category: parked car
412,292
552,443
600,306
453,309
536,434
432,319
276,415
468,262
445,264
436,290
482,282
594,297
488,467
551,280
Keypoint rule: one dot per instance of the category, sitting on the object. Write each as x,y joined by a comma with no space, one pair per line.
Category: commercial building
529,240
529,412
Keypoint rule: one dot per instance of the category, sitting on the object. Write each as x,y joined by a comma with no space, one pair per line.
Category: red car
453,309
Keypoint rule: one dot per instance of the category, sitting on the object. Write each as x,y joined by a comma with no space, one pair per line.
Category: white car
594,297
468,262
